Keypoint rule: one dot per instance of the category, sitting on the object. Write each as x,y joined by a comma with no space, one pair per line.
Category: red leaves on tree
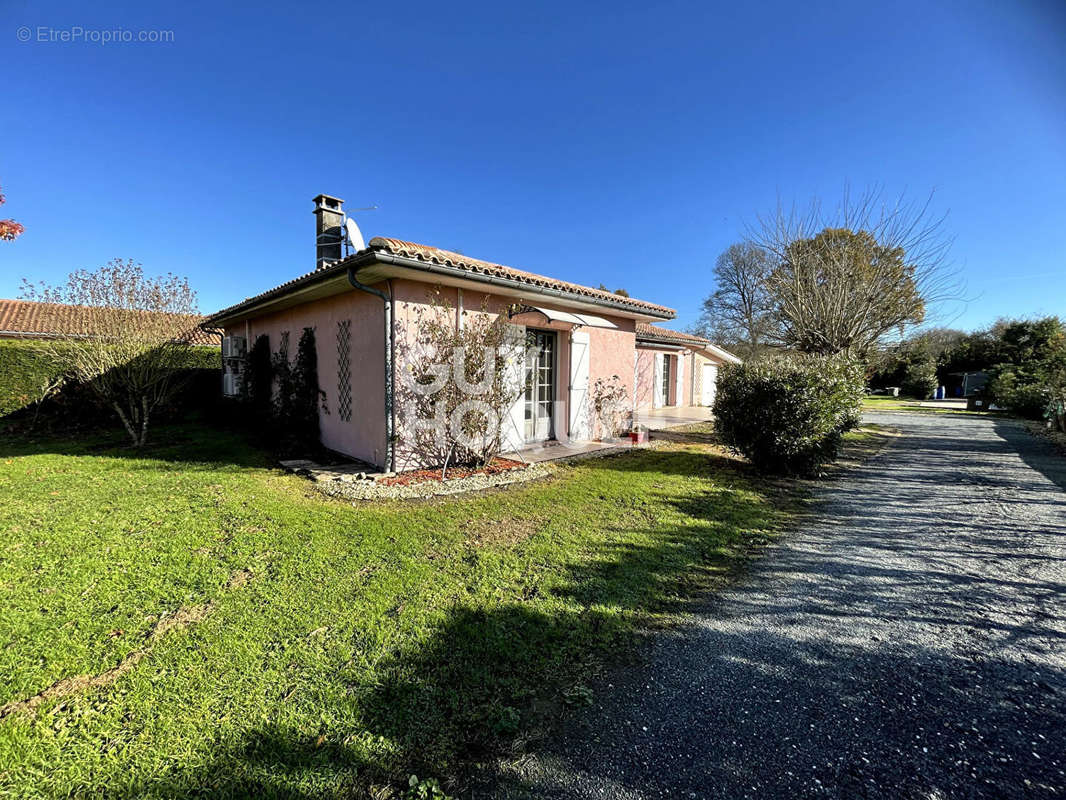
9,229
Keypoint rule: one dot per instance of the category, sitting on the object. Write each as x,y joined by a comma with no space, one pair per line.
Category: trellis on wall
344,369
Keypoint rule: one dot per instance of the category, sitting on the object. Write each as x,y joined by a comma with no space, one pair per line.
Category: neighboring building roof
25,319
651,332
471,269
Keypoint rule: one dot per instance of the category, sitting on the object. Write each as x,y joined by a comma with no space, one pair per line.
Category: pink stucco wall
363,436
645,376
611,350
691,379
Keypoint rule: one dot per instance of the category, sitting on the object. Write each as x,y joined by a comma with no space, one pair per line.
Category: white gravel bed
375,490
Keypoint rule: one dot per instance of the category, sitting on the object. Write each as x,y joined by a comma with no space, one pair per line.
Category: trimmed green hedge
26,368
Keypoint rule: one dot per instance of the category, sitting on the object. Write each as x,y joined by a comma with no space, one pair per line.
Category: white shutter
679,390
513,436
657,386
579,386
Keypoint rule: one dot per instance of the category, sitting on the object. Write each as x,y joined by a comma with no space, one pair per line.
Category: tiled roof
647,331
434,256
24,318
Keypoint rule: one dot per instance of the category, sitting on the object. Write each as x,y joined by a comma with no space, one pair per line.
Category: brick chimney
329,230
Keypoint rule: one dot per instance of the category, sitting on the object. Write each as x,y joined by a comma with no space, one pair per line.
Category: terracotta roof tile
645,330
445,258
27,319
434,255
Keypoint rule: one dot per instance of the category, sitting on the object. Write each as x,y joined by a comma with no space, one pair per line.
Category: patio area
662,418
558,451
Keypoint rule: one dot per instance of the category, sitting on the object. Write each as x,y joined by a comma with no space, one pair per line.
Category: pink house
675,369
361,304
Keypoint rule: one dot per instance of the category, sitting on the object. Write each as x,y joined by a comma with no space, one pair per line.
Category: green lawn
270,641
885,403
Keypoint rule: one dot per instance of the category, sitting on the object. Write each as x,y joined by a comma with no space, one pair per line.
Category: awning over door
553,315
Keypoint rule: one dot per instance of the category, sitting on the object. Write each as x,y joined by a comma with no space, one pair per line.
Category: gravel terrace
909,644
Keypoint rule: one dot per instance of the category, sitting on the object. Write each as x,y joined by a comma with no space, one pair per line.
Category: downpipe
390,355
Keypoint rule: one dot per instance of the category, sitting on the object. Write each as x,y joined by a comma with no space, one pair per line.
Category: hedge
26,368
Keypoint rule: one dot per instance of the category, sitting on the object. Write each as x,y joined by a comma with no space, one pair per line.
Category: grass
210,625
885,403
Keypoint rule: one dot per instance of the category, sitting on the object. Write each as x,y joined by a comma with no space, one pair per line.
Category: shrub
33,379
28,374
281,395
789,415
919,380
1024,392
258,390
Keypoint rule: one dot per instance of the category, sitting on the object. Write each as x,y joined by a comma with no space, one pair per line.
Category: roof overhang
648,345
719,353
372,267
651,340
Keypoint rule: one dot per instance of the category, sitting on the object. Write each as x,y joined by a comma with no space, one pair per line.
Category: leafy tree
974,352
127,338
737,315
919,379
912,364
9,229
1028,379
619,292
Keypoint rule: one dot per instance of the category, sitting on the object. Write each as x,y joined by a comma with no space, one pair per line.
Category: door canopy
553,315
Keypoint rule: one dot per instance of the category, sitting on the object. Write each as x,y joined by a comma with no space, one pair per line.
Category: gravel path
910,644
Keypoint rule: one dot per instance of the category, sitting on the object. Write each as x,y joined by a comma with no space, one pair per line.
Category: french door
664,390
540,386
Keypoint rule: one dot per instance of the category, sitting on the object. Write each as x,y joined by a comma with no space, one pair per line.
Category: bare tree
842,282
122,333
737,314
458,382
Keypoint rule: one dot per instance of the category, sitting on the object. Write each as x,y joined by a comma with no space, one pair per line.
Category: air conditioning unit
231,384
233,347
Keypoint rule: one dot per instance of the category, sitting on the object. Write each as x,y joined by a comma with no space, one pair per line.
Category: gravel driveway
910,644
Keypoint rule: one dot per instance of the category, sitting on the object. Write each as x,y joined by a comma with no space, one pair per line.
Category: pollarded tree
843,283
841,291
125,334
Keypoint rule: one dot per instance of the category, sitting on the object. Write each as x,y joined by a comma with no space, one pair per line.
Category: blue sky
614,142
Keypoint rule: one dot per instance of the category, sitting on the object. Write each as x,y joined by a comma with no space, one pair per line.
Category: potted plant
638,434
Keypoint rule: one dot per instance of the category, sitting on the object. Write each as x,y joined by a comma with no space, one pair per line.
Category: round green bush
788,415
1019,390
